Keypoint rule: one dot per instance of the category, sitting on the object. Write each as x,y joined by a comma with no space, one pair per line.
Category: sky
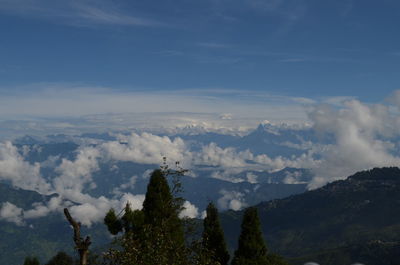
236,56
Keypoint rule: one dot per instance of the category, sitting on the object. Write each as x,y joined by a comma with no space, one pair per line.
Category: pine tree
112,222
158,203
153,235
213,237
165,229
61,259
252,249
160,209
31,261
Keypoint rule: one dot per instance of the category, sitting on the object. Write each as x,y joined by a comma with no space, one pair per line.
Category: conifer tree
252,249
160,210
61,258
153,235
31,261
213,237
112,222
158,203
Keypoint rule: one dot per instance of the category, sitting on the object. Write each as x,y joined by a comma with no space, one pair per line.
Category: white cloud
231,200
292,177
74,100
95,208
128,185
40,210
229,174
251,178
338,101
11,213
363,139
226,116
231,160
189,210
98,15
88,210
147,149
136,201
76,109
215,156
203,215
19,172
76,174
74,178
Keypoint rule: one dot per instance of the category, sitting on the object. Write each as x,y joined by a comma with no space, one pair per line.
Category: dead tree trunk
82,245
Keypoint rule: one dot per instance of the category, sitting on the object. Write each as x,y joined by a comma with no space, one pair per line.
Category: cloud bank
363,136
20,173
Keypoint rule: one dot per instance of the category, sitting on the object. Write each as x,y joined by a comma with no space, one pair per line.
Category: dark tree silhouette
252,249
61,258
31,261
160,209
153,235
213,239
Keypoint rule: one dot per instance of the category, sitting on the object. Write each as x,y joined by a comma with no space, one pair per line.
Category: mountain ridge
360,209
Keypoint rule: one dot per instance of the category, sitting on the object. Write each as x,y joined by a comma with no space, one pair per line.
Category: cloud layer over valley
343,137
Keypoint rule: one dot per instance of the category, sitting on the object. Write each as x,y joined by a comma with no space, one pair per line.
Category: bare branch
82,245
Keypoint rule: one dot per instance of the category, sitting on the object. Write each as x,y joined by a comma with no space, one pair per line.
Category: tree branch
82,245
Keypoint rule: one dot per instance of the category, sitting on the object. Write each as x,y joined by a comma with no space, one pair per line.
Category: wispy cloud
74,100
218,60
169,53
246,53
98,15
77,13
301,58
214,45
70,109
347,7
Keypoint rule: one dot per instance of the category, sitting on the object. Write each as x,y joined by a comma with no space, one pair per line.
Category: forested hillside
336,223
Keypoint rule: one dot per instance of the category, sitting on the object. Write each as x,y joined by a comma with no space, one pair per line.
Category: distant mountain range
50,151
273,140
356,220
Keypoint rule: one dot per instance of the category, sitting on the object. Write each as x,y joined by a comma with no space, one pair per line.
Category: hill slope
342,215
41,237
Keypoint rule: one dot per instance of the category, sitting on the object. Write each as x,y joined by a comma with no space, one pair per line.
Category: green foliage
132,220
112,222
275,259
31,261
332,220
374,252
61,258
213,236
153,235
159,205
252,249
151,246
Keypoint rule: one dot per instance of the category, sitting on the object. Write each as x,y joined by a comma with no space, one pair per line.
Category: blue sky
292,48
